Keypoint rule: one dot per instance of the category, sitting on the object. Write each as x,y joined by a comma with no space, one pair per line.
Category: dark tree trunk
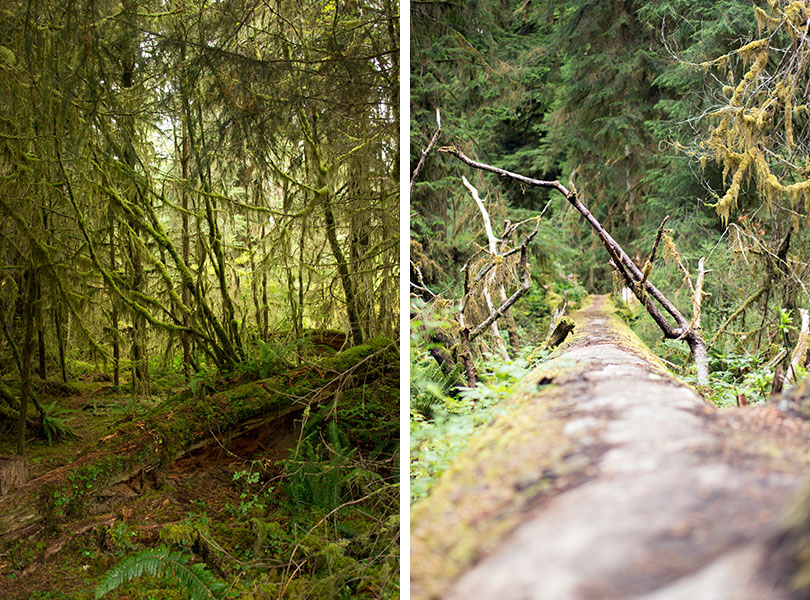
43,373
26,355
186,338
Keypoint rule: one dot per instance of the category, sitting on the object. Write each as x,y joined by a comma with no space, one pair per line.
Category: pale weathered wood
14,472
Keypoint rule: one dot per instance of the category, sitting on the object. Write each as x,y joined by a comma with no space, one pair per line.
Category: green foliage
194,579
431,389
265,359
734,374
201,383
435,442
69,498
122,538
252,494
53,423
319,469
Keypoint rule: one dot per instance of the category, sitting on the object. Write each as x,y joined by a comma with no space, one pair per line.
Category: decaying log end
561,331
14,472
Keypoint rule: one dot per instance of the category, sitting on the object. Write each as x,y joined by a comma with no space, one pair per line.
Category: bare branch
427,150
649,264
629,271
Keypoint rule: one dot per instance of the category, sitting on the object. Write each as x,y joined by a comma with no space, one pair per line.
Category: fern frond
195,579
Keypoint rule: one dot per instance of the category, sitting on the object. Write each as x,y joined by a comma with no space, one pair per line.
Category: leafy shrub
317,471
436,441
265,359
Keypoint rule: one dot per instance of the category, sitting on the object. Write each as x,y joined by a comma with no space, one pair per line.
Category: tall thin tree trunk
43,374
60,341
186,338
114,310
27,352
265,306
138,349
323,196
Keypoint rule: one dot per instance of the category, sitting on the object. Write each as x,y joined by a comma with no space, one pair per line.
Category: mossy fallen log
183,424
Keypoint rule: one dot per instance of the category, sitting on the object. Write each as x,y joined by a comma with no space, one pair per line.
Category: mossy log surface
181,425
606,477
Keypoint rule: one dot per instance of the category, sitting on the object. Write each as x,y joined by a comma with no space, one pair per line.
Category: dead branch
629,271
648,266
420,286
526,279
427,150
800,354
493,250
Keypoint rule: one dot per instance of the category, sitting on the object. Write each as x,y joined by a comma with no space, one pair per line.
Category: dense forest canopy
191,177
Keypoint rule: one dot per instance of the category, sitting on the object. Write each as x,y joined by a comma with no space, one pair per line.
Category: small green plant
200,383
251,498
318,471
122,538
733,374
53,424
194,579
266,359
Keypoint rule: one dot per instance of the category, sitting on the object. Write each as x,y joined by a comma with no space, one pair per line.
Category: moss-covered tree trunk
27,351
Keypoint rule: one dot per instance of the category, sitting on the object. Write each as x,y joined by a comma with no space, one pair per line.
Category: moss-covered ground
303,506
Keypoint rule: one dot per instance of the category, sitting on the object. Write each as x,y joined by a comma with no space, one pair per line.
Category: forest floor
58,563
232,503
606,478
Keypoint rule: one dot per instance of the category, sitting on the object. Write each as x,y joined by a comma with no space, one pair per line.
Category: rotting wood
801,352
563,328
14,472
428,149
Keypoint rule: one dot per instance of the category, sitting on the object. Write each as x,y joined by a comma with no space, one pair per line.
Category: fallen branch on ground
645,291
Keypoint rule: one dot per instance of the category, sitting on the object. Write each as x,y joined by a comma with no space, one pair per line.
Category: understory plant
443,431
194,579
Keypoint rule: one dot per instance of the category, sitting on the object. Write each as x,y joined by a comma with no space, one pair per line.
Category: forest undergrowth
304,508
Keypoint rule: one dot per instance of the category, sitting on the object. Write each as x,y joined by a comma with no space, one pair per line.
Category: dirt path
656,495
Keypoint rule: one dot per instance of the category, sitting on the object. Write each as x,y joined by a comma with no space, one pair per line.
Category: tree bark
26,355
185,243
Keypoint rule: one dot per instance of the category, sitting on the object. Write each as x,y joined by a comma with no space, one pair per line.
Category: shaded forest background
617,95
195,196
693,110
196,178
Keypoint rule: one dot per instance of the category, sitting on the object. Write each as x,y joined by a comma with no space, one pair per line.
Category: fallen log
605,477
183,424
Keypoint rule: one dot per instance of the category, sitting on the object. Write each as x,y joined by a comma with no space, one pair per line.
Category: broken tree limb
799,357
622,262
427,150
561,330
526,281
500,345
648,266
